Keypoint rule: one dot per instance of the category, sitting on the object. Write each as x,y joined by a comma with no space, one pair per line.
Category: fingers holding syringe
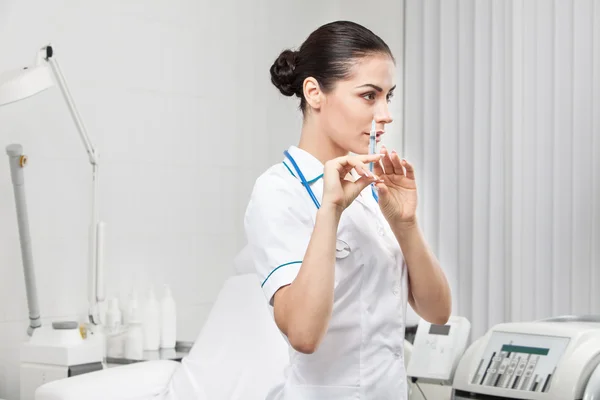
387,161
358,163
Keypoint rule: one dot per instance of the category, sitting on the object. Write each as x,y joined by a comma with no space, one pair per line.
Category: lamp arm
62,84
95,272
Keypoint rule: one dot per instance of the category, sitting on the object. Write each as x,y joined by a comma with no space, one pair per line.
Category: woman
339,255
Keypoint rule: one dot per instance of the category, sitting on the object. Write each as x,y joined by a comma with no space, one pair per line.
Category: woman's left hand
398,191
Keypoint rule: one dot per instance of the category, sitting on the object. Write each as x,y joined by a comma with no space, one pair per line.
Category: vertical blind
502,122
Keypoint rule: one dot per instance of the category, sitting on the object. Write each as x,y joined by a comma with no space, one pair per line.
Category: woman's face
348,110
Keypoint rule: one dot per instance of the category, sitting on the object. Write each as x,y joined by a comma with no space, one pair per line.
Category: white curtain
502,120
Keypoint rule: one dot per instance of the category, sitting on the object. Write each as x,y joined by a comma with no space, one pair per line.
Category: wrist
405,226
330,209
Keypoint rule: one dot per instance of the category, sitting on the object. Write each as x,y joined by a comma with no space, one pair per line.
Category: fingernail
382,155
394,152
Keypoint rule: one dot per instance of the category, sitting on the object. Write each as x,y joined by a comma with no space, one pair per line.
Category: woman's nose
383,115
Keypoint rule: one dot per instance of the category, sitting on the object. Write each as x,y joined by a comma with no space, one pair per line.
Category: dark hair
327,55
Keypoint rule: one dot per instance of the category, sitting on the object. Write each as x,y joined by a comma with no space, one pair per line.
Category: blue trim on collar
288,168
309,182
316,179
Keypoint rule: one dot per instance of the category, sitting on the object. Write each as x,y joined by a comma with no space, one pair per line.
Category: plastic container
115,344
134,339
168,320
113,316
132,303
151,322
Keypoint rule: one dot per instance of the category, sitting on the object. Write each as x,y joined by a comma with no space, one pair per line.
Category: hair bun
282,72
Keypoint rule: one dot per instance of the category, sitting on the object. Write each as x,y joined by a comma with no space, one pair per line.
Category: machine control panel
520,361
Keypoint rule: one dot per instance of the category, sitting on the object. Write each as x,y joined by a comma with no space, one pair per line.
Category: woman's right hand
338,191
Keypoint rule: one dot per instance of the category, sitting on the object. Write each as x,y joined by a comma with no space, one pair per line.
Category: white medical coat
361,356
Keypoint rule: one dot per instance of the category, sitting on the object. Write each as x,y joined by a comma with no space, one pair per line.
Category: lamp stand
17,162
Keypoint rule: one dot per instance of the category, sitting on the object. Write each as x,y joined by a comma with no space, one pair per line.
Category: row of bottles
148,328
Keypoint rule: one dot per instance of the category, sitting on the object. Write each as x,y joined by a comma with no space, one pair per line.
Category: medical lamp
21,84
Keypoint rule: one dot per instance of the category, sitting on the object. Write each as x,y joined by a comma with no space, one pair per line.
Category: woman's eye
369,96
389,97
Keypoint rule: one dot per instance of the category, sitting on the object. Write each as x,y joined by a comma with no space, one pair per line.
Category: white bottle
102,310
113,316
151,322
132,303
134,340
168,320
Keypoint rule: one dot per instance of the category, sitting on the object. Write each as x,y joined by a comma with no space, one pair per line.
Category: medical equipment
435,355
57,352
21,84
305,183
437,350
549,360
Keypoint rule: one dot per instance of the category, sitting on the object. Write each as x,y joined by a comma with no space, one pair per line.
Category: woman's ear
312,93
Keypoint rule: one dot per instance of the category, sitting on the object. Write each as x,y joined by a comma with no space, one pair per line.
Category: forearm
429,287
310,296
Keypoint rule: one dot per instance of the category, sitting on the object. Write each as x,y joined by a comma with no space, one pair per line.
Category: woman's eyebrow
379,89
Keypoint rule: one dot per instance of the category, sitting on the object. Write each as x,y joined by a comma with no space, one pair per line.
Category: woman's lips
378,135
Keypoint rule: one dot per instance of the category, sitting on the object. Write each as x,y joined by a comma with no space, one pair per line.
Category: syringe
372,150
372,142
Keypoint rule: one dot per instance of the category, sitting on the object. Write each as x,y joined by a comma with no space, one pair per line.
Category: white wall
177,98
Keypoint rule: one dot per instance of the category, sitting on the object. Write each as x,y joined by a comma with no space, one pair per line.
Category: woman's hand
398,191
338,191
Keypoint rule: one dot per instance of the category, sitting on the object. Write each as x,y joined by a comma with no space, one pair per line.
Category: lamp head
19,84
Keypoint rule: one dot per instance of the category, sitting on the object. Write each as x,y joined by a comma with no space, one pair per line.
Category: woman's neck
314,141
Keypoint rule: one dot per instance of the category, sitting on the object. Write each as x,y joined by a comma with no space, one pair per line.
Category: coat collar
312,169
